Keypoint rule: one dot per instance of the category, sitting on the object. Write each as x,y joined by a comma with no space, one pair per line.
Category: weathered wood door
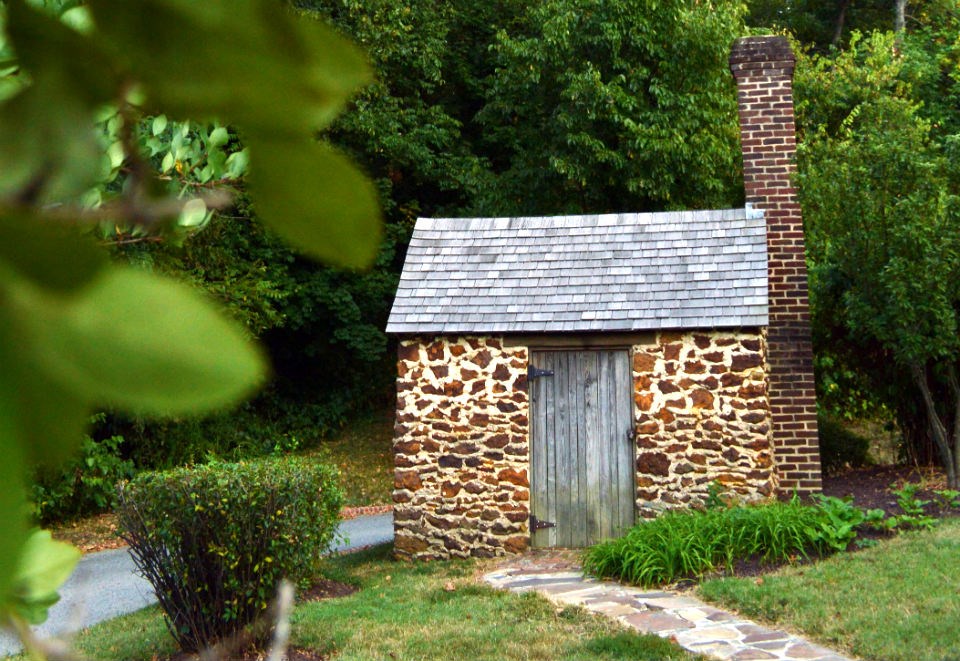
582,473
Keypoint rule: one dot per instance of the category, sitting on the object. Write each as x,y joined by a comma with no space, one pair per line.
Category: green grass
363,452
427,611
897,600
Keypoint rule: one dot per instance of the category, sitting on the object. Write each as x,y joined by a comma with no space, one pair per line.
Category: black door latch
536,524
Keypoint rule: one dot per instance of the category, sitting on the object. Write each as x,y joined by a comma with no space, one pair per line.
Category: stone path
694,625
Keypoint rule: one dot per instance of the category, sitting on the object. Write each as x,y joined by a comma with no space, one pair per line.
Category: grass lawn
897,600
406,611
363,451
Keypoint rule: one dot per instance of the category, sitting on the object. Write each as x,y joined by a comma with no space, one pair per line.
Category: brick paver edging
694,625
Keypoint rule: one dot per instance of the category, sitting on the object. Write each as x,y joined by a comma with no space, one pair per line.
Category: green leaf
140,342
194,213
317,199
218,137
53,256
13,511
246,62
44,566
159,124
47,138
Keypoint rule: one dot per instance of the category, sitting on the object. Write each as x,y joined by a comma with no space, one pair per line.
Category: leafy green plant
947,498
215,540
836,528
85,484
914,515
717,496
682,544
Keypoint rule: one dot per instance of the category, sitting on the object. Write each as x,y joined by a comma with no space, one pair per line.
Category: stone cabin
561,378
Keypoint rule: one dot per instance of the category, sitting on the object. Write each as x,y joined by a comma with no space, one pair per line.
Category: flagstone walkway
694,625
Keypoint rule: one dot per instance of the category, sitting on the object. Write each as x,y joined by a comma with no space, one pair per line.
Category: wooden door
582,475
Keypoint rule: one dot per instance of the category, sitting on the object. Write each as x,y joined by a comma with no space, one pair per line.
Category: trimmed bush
689,543
215,540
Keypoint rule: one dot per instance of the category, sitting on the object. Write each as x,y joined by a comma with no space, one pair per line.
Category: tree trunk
954,384
841,20
945,444
900,19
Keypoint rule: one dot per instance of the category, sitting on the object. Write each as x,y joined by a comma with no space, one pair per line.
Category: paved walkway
694,625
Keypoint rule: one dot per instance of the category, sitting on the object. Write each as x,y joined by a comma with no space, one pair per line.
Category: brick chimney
763,68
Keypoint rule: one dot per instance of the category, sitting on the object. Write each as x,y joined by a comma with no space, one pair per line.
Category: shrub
688,543
86,484
215,540
839,447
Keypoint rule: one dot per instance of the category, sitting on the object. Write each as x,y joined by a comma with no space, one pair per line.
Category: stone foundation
702,415
461,448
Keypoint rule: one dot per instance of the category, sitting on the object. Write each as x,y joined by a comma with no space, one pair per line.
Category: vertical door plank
566,420
606,456
539,425
591,460
626,461
549,535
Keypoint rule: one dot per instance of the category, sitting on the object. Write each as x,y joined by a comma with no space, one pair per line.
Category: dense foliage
457,123
78,331
880,186
84,484
214,541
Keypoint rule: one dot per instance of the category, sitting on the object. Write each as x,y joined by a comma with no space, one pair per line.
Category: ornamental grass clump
689,543
215,540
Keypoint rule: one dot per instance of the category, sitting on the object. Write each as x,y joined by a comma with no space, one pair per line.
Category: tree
882,204
77,331
604,106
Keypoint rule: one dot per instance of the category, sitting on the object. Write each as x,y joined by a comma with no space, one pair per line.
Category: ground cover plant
414,611
898,600
690,543
214,541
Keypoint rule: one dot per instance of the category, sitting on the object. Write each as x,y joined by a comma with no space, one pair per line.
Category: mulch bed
870,486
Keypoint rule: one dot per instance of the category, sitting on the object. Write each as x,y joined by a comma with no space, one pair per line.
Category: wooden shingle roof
615,272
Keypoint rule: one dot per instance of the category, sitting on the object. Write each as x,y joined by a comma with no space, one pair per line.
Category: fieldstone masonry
461,445
461,449
702,416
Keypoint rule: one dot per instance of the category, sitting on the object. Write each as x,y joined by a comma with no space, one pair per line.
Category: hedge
215,540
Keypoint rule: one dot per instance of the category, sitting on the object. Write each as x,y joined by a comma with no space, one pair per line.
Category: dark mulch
870,487
327,589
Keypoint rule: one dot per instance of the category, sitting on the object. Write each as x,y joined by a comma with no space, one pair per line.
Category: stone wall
702,415
461,484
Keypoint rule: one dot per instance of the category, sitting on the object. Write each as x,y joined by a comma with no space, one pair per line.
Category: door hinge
536,524
536,372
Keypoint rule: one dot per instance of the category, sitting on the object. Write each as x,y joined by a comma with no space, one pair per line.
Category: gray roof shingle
613,272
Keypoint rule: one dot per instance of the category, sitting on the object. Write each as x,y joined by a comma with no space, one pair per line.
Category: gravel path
105,585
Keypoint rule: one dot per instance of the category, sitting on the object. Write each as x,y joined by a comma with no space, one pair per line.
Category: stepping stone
650,622
752,655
